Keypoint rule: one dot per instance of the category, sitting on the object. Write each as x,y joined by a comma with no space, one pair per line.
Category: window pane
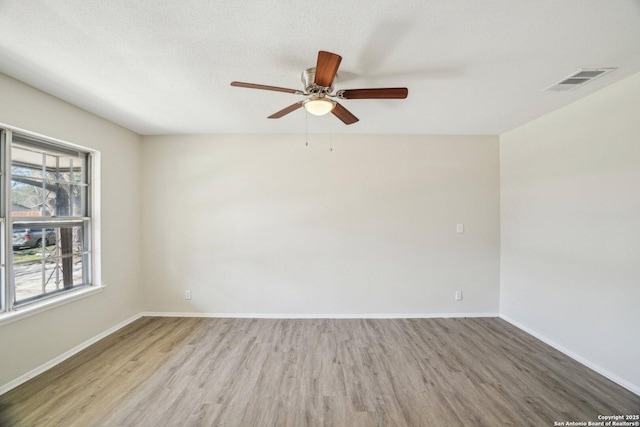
33,198
78,269
47,260
38,164
46,183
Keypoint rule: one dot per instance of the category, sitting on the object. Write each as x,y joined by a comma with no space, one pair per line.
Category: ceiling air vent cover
579,78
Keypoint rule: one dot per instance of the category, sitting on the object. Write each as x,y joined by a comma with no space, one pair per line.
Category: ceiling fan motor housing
310,87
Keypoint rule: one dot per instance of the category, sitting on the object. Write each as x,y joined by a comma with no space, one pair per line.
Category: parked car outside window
27,238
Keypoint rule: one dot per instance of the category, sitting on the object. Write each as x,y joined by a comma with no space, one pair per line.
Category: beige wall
570,229
261,224
30,342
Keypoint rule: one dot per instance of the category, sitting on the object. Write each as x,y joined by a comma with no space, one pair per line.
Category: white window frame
9,312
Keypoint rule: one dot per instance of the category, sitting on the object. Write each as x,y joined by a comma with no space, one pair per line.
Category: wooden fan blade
378,93
287,110
264,87
326,68
343,114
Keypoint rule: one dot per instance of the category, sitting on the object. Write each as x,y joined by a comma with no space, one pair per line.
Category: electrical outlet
187,295
458,295
460,228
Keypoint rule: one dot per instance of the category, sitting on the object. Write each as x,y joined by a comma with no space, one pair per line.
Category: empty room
295,213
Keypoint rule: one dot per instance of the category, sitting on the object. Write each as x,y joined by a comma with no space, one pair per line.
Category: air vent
578,79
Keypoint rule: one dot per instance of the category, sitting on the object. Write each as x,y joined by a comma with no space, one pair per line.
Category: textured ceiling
164,66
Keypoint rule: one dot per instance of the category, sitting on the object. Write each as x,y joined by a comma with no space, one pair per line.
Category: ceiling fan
318,88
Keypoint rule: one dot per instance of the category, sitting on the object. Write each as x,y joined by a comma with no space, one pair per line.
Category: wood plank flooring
316,372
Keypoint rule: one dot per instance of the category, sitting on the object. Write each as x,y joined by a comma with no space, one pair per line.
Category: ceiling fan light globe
319,106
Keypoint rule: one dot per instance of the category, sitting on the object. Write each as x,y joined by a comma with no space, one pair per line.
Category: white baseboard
319,316
634,388
64,356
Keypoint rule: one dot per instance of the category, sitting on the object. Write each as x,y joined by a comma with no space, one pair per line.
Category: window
47,219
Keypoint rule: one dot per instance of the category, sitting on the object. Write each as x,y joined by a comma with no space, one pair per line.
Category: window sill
40,307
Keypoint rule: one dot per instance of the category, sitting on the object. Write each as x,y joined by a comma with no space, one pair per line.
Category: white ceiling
164,66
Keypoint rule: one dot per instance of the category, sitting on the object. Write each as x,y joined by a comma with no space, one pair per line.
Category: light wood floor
264,372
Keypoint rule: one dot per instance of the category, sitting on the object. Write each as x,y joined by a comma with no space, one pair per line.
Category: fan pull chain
306,129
